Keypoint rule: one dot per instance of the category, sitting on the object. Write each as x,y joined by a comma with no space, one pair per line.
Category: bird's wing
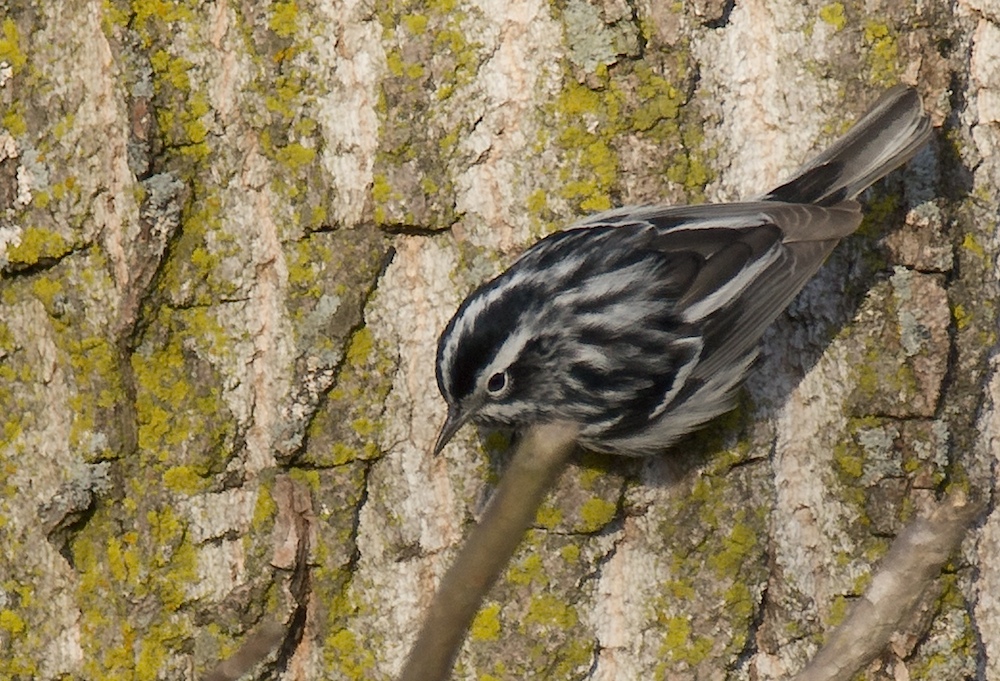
755,257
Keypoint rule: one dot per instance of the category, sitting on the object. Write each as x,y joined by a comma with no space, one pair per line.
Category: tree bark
231,231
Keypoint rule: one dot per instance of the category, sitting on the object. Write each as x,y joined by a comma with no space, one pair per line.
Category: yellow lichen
10,46
295,155
596,513
962,316
265,509
37,244
284,18
415,23
486,625
10,621
548,516
347,656
550,611
184,480
570,553
361,347
883,54
833,14
527,571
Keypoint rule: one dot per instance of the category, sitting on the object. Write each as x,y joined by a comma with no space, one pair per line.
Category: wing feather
752,259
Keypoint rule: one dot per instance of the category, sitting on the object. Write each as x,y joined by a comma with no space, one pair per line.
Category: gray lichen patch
909,315
688,571
598,35
922,242
434,54
61,336
535,618
325,302
349,423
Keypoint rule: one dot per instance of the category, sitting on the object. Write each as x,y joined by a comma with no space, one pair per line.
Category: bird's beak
456,419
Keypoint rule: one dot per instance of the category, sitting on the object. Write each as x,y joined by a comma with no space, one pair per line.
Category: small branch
538,461
255,648
292,537
914,561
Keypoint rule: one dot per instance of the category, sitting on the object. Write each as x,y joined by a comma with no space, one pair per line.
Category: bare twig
255,648
539,459
914,561
292,538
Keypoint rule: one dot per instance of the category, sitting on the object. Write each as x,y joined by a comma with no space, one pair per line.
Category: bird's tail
885,138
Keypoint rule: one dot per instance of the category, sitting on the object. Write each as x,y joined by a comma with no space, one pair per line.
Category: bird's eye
497,383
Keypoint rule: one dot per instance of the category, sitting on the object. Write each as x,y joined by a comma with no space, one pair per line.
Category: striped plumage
640,323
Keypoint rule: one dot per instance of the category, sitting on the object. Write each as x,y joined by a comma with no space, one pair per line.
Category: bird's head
578,330
491,361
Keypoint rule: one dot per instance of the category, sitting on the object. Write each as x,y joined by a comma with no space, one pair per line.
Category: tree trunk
231,232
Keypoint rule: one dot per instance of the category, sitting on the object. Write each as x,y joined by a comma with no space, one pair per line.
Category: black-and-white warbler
639,324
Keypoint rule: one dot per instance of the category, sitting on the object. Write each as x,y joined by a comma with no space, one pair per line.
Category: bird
639,324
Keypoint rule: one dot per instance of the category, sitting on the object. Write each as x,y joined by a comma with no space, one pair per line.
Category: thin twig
255,648
914,561
536,464
292,537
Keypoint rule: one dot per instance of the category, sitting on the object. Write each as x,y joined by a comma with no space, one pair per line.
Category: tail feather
885,138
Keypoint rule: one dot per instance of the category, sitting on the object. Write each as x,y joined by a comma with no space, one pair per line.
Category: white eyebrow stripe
510,350
471,314
514,277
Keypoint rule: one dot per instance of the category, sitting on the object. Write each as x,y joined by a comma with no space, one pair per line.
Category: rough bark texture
231,231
